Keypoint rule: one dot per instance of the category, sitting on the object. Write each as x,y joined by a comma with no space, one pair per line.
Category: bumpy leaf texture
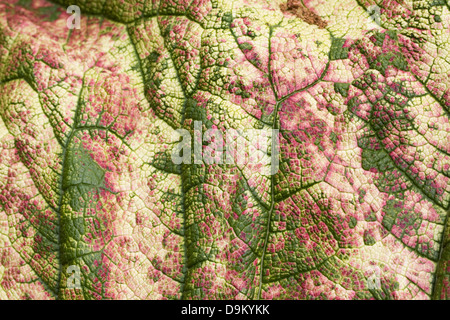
89,119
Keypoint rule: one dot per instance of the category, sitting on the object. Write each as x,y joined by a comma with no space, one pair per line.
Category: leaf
90,119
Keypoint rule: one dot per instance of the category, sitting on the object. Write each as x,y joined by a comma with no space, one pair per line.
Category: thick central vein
61,184
272,179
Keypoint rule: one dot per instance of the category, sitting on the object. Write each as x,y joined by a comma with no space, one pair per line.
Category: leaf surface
89,119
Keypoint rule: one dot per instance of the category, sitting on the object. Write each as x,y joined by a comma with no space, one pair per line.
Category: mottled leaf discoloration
89,118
